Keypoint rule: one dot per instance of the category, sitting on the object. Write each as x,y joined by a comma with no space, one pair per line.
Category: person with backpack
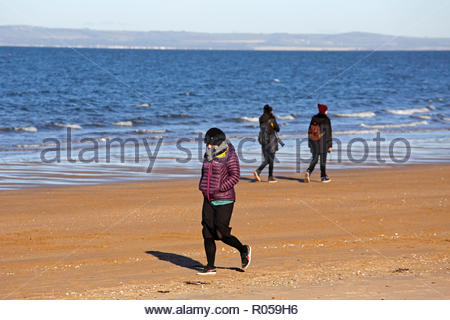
320,142
269,142
220,173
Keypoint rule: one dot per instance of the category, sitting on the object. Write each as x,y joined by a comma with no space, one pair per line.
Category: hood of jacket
265,117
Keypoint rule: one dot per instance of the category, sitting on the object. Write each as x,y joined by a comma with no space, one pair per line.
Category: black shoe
207,271
246,257
325,179
272,180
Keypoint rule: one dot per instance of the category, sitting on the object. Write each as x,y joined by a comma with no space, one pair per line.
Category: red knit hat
322,108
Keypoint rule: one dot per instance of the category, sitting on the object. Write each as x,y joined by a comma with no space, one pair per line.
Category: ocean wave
188,94
355,132
246,119
422,117
435,99
367,114
95,125
26,129
411,111
143,131
442,117
145,105
123,123
398,125
25,146
190,122
102,139
5,129
175,115
71,126
286,117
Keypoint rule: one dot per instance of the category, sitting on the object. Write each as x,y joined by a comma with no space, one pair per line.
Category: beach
369,234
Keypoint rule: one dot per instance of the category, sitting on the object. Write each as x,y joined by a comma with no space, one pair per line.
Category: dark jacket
220,175
325,128
268,126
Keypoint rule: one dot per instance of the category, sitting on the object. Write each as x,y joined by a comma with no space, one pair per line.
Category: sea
71,116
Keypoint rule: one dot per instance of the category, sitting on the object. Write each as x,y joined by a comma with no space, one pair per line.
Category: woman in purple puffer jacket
220,172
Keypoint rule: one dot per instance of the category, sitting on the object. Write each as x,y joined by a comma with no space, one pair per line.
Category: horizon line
222,33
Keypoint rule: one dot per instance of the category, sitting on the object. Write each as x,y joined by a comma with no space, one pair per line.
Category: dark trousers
269,158
315,159
215,222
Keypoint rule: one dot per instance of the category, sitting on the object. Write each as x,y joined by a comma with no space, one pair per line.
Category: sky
422,18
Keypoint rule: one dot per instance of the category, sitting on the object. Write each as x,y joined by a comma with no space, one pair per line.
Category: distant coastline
30,36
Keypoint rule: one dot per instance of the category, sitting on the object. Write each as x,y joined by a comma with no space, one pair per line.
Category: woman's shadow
183,261
176,259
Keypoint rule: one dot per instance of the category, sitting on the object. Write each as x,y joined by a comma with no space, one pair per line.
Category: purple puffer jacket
220,175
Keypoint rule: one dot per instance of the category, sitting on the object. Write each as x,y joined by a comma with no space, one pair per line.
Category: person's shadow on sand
183,261
176,259
252,180
290,178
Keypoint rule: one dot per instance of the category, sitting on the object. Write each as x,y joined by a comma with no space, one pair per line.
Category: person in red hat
320,142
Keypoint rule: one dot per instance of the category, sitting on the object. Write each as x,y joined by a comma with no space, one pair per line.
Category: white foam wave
411,111
145,105
102,139
143,131
123,123
422,117
355,132
286,117
26,129
247,119
276,80
397,125
368,114
71,126
24,146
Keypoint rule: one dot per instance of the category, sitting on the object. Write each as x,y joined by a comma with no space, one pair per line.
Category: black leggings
323,163
215,221
269,158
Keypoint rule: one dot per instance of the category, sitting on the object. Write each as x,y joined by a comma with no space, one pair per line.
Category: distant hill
87,38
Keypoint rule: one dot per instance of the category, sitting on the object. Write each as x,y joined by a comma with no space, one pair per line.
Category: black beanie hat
267,109
215,136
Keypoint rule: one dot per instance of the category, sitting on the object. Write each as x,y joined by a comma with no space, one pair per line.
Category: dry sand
369,234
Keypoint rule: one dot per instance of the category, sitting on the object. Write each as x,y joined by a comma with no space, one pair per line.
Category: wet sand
369,234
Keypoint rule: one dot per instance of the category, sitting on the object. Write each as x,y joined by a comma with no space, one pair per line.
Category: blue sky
397,17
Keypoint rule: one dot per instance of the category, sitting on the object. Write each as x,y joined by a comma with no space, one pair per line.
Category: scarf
213,152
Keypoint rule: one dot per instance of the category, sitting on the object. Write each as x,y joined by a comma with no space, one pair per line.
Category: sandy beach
369,234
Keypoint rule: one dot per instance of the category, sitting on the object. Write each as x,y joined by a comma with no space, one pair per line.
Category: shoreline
362,236
177,174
